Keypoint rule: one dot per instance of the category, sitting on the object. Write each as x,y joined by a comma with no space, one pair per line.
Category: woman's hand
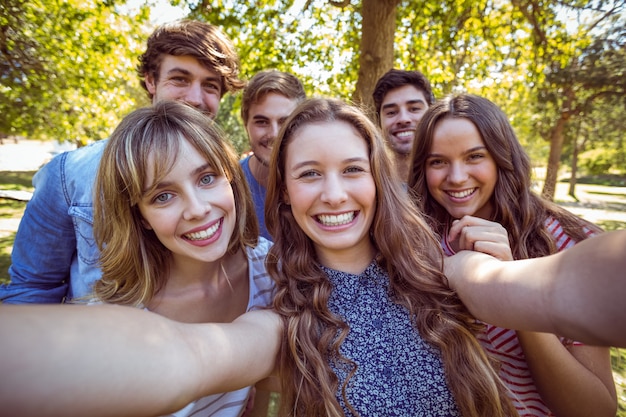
474,233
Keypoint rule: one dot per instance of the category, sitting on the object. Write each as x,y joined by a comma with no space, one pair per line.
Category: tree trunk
575,150
556,145
572,179
376,50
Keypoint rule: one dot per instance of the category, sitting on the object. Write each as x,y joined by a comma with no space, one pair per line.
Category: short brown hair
396,78
270,81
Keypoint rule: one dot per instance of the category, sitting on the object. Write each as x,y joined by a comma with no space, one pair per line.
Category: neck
353,260
259,170
402,166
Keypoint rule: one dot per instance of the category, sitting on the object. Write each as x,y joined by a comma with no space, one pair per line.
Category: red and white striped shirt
504,345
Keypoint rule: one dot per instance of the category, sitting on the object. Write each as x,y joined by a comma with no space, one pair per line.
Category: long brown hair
134,262
517,208
410,254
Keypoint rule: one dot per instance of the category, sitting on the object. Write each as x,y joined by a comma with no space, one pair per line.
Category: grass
10,209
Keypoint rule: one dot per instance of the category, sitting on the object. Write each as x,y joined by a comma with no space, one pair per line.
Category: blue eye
207,179
163,198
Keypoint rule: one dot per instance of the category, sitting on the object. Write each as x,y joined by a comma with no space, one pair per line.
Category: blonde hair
134,262
413,259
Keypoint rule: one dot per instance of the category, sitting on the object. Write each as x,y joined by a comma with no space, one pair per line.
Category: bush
596,161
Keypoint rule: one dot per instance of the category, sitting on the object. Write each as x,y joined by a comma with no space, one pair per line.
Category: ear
150,83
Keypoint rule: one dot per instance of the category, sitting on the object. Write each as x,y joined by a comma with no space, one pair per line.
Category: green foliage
229,119
518,53
618,364
67,68
596,161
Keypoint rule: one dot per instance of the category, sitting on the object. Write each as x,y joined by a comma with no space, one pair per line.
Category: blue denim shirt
54,256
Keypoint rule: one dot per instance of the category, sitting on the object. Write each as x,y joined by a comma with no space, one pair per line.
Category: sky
162,11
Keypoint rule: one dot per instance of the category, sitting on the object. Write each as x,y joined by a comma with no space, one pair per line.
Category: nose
404,117
273,130
334,192
195,207
457,174
193,95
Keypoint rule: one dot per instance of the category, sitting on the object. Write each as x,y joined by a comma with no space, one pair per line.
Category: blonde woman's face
460,172
192,209
331,191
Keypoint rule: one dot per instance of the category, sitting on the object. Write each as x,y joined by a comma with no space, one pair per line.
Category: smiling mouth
461,194
336,220
204,234
407,134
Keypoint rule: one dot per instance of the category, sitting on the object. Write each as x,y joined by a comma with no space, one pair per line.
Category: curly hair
517,208
134,262
410,254
203,41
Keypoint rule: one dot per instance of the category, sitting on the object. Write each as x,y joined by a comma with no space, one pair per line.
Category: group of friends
401,268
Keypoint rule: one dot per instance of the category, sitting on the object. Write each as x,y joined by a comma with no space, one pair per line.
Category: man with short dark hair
401,98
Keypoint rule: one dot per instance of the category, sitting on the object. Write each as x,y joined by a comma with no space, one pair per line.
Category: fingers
473,233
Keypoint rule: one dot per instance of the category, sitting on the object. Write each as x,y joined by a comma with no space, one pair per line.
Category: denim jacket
54,256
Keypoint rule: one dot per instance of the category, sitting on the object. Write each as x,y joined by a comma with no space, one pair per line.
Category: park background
556,67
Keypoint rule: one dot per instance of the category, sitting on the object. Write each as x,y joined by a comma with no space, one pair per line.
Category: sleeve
45,243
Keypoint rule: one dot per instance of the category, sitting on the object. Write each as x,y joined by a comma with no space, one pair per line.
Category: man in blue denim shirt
54,256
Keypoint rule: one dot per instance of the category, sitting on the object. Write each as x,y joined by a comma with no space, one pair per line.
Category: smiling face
264,121
183,78
191,209
461,174
330,188
400,112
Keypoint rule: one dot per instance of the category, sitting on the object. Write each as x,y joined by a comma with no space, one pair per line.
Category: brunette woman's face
460,173
192,209
330,188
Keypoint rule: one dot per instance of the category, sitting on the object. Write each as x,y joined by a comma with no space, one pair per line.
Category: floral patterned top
398,373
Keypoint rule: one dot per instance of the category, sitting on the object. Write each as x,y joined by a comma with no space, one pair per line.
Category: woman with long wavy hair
370,326
472,178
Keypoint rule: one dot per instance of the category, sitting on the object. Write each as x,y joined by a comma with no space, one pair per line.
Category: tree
67,68
574,70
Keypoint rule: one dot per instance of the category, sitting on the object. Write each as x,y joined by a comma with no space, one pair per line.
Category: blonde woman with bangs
176,230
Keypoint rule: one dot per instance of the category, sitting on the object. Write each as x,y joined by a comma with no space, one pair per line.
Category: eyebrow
315,163
187,72
474,149
418,101
165,184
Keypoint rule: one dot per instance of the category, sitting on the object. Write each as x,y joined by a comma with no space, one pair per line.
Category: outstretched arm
106,360
578,293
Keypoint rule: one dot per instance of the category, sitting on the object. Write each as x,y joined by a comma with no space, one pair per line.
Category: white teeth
335,220
204,234
461,194
405,134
